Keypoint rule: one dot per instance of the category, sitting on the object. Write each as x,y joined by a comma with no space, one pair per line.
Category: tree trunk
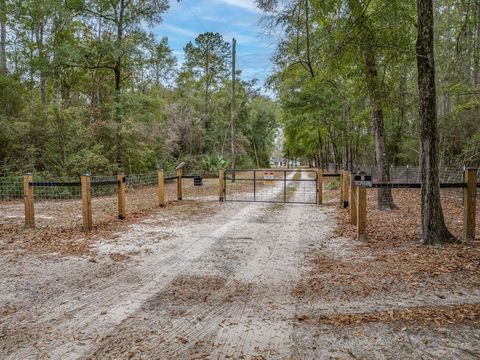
3,38
41,54
400,121
307,34
385,199
476,55
346,120
434,230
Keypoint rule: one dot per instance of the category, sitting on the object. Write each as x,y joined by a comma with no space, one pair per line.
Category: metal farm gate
296,186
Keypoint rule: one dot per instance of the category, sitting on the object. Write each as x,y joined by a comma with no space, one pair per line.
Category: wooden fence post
361,212
178,173
28,201
221,185
353,200
121,196
340,187
345,189
469,203
319,187
85,182
161,188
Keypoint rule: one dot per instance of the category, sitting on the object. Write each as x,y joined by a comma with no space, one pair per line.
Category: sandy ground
229,280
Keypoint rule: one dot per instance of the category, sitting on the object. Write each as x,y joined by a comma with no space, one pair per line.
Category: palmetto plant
214,162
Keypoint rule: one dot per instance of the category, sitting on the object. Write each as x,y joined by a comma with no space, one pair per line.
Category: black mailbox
197,181
363,179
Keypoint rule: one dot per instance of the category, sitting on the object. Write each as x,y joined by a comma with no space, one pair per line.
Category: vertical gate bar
319,187
254,185
284,186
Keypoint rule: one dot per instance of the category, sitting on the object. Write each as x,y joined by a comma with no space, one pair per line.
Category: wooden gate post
361,212
178,173
340,187
353,200
319,187
221,185
161,188
469,203
85,182
121,196
345,189
28,201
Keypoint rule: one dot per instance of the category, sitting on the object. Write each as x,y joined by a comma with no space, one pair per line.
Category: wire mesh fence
11,189
104,198
58,203
404,222
200,185
412,174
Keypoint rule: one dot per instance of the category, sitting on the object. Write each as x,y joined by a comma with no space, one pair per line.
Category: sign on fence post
353,200
469,206
161,188
85,182
319,187
121,196
362,181
221,183
28,201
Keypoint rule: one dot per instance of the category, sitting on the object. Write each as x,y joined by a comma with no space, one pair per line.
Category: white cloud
179,30
244,4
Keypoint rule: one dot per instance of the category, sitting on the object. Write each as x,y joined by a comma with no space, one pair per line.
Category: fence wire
104,199
57,203
206,189
11,201
412,174
11,189
405,221
61,206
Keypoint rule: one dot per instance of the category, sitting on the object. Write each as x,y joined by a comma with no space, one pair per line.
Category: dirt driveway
211,280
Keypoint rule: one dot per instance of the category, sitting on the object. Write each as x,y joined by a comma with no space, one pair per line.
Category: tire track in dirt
226,339
159,277
256,269
88,313
282,270
187,327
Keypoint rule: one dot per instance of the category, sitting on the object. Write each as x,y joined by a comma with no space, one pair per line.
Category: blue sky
231,18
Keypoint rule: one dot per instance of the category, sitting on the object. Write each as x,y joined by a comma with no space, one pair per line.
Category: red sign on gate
268,177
